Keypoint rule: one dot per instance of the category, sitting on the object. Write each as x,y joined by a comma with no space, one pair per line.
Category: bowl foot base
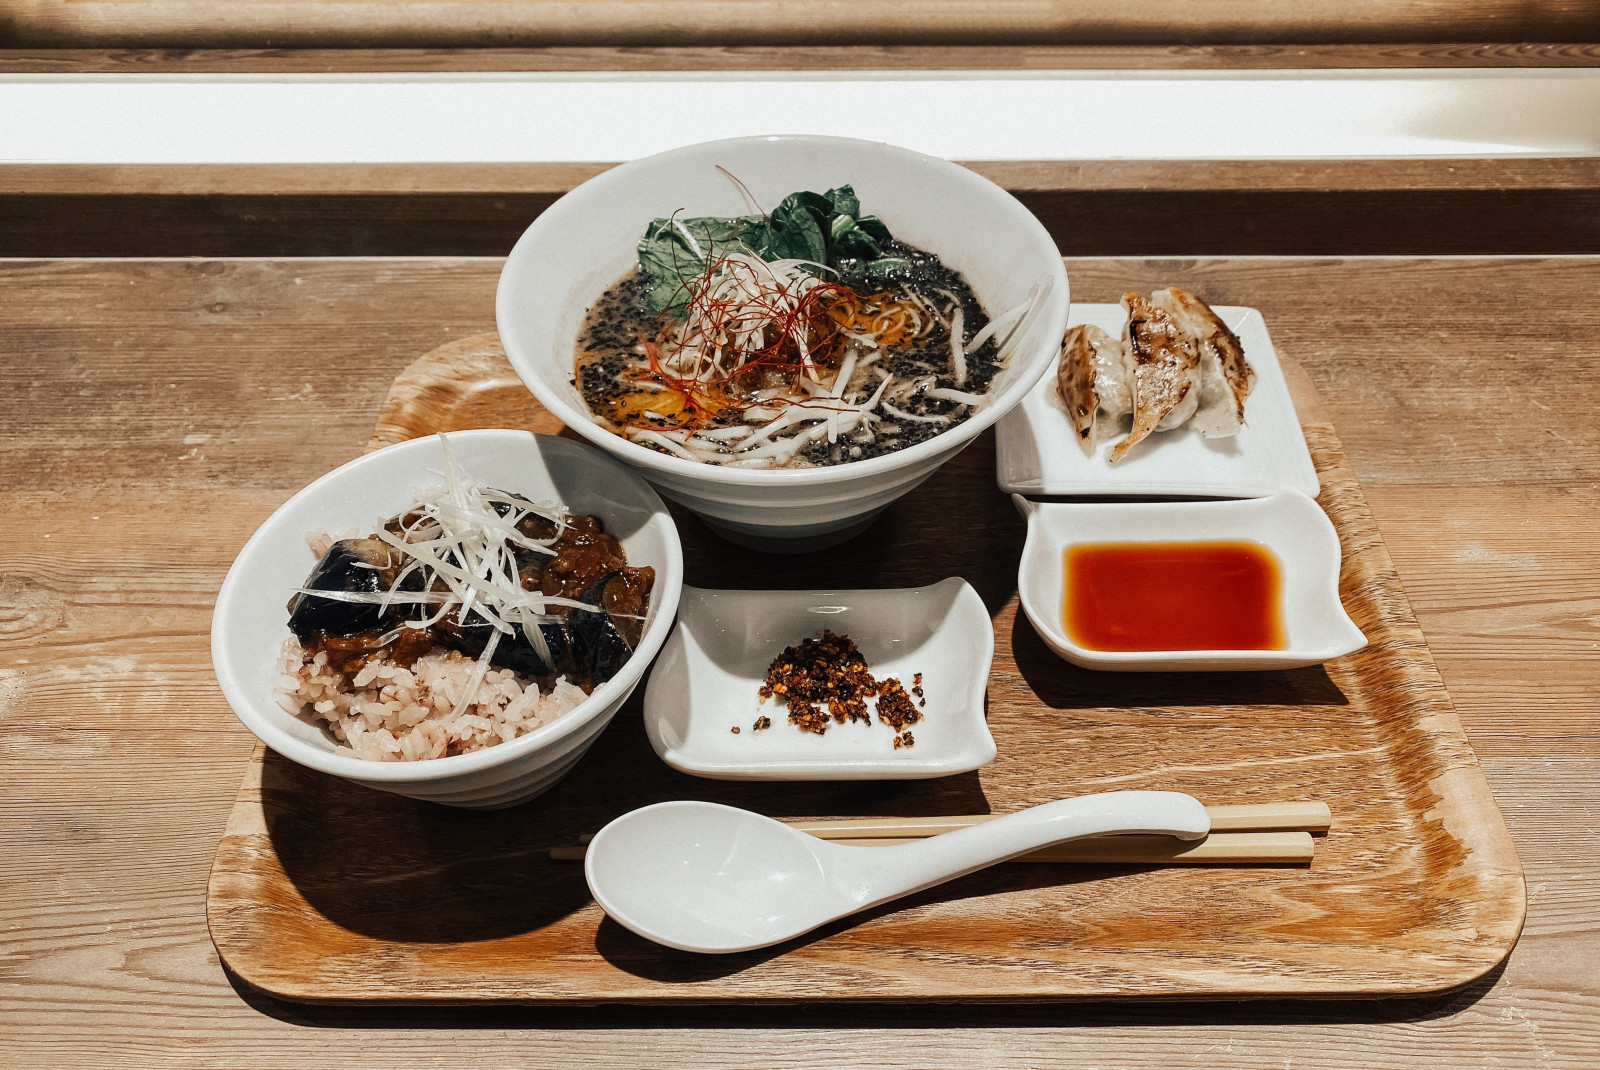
798,544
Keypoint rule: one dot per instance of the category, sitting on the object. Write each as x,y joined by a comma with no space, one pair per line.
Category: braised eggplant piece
533,525
581,561
602,641
358,566
514,651
518,654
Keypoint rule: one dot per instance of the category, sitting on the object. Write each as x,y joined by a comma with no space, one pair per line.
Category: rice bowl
249,628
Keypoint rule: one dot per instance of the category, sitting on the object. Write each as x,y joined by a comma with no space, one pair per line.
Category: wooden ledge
1026,176
424,23
1012,57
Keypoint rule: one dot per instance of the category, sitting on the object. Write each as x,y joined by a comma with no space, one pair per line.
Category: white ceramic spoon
700,876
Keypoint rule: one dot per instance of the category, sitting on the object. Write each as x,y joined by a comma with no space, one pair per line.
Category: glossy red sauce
1223,595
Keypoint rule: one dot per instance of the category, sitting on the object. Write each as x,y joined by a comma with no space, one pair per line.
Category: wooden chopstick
1255,848
1237,817
1229,817
1259,833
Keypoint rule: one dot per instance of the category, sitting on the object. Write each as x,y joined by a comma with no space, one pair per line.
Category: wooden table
153,412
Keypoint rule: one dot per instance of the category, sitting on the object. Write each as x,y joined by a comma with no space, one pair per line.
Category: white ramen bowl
251,621
588,240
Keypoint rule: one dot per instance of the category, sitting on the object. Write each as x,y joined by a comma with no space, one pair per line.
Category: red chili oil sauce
1223,595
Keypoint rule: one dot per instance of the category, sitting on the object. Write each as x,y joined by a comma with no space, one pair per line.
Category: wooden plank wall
373,23
1236,221
1435,53
1115,208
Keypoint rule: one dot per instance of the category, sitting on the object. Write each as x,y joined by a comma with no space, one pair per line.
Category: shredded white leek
958,356
461,542
960,397
745,290
900,414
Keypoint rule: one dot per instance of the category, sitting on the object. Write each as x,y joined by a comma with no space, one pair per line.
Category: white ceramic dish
707,679
588,239
1037,451
251,622
1291,525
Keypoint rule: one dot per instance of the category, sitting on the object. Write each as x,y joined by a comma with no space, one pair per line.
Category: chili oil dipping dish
588,239
251,621
1290,525
711,671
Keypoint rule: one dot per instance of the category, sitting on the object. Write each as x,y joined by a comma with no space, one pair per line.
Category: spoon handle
890,872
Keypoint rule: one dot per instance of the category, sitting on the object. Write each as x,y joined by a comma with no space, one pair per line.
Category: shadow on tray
411,872
642,958
1287,1014
399,870
1064,686
955,524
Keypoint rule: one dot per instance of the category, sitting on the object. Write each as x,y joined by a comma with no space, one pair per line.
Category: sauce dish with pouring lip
1290,525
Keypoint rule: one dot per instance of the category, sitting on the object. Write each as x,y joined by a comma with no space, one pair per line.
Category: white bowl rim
583,423
1056,637
267,721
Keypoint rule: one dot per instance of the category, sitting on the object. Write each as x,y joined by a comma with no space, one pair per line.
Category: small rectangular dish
1291,526
1037,452
703,699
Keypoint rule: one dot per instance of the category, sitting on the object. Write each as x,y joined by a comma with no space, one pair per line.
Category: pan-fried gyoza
1176,363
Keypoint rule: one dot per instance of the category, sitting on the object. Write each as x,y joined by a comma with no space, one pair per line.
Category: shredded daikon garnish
958,355
767,357
1032,303
901,414
656,438
840,380
960,397
463,539
725,434
1002,322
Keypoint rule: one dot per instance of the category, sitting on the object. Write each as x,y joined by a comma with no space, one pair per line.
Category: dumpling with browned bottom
1225,376
1176,363
1166,371
1096,382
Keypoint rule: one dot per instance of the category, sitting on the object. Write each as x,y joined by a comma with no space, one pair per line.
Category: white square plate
1037,451
709,674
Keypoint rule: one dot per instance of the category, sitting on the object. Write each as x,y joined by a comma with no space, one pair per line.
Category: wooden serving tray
324,891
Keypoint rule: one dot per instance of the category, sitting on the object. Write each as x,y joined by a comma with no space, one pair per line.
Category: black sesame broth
614,374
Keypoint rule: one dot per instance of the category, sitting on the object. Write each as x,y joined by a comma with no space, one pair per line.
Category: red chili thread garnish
811,327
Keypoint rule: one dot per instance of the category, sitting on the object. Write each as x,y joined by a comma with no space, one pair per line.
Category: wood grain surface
1416,887
154,412
1023,177
368,23
1333,207
1528,52
1092,208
